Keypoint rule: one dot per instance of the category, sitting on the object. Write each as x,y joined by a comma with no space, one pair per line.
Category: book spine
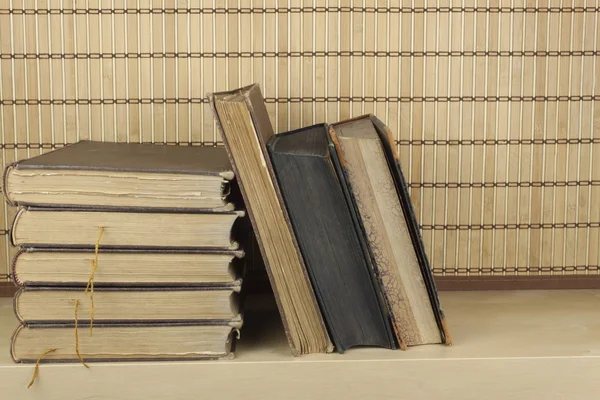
13,340
5,174
15,225
16,306
13,266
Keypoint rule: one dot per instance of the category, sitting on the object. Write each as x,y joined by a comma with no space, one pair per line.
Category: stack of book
126,252
141,245
331,210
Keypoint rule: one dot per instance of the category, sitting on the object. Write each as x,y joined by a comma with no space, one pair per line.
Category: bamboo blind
494,103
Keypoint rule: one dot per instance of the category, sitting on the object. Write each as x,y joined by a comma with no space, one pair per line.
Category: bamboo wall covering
495,103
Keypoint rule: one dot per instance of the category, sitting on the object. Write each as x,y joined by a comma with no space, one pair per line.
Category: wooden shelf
509,344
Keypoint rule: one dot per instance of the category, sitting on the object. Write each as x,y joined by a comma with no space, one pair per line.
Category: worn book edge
234,245
236,266
393,161
234,299
228,205
235,324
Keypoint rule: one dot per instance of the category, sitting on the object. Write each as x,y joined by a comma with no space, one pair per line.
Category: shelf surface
507,344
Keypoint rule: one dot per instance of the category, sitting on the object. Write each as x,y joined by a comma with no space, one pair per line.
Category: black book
339,268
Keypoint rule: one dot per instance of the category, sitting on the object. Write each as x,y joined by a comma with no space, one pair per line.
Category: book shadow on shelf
263,329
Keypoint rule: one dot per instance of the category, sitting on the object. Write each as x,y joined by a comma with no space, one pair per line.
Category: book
33,266
244,124
378,191
131,342
101,174
63,227
340,271
124,305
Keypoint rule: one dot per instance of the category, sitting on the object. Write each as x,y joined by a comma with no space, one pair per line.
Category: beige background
495,104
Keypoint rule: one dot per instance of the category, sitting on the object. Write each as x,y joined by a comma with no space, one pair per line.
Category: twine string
77,333
90,284
37,366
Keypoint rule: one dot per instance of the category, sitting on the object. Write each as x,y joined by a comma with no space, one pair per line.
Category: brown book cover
138,158
133,157
385,269
303,323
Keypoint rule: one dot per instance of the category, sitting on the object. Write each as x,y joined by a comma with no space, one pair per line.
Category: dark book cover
133,157
339,269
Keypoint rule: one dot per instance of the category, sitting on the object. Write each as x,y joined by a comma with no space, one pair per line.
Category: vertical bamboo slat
494,104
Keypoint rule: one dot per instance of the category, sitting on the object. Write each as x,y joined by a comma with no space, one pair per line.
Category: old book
348,293
99,174
119,305
127,267
131,342
244,123
63,227
378,191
